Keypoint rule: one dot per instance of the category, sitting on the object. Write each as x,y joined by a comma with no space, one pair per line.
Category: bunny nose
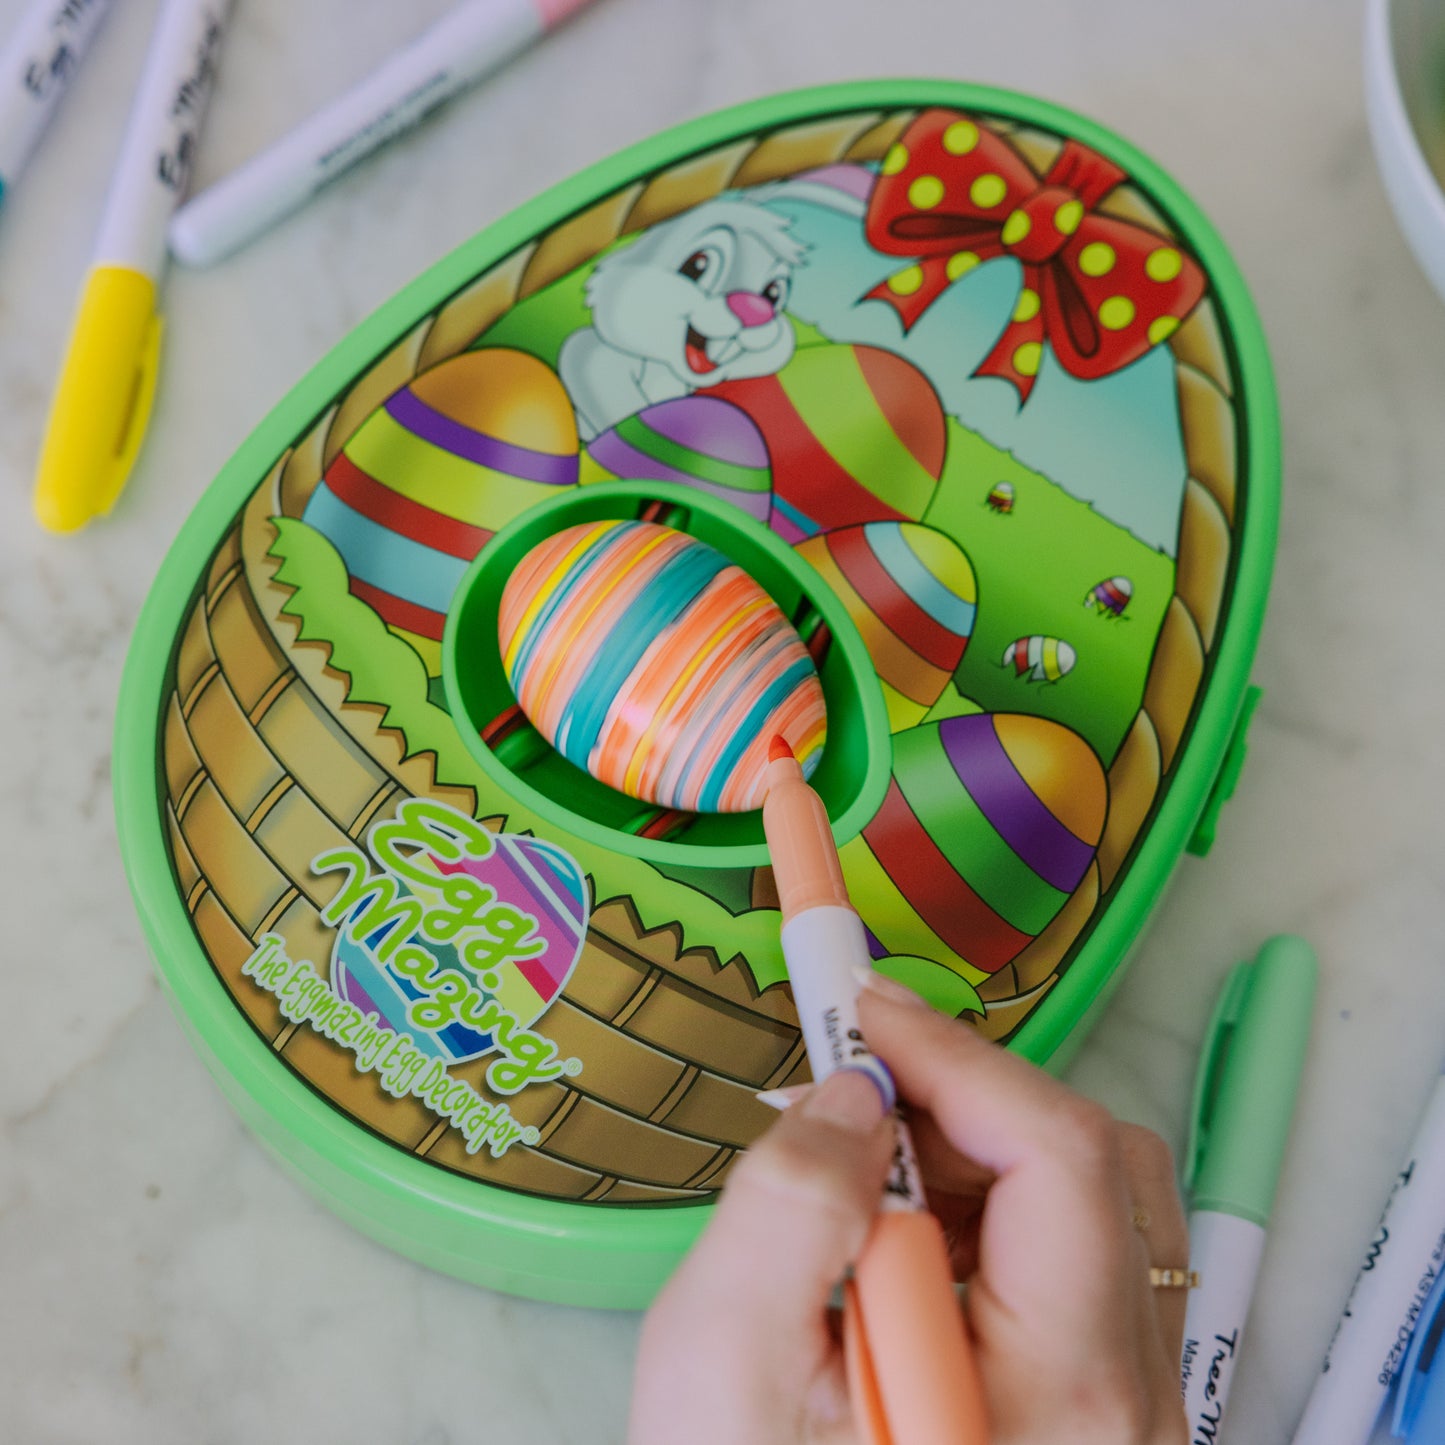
750,308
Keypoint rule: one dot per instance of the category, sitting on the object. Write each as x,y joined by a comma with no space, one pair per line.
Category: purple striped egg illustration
990,822
433,472
1110,597
697,441
1039,659
454,999
647,658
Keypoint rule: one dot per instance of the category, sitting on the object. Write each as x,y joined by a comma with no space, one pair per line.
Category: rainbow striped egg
911,593
433,472
1039,659
1110,597
663,669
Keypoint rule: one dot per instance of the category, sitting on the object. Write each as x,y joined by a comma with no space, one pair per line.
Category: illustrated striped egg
430,475
1110,597
1039,659
698,441
1001,497
911,593
855,434
989,824
663,669
409,989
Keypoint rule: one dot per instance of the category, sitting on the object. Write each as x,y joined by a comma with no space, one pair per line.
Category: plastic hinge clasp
1229,770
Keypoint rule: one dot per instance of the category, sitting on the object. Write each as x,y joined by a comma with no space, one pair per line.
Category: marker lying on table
911,1371
1244,1096
37,64
473,40
102,402
1405,1260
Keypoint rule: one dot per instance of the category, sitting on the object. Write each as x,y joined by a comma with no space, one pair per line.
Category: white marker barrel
1400,1269
457,51
1226,1251
154,166
37,65
823,947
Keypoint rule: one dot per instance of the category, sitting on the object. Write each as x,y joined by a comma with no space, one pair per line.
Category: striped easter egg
1039,659
439,993
1001,497
1110,597
989,824
855,434
650,660
430,475
698,441
911,593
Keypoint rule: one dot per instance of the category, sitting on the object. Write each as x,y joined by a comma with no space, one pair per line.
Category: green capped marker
1244,1096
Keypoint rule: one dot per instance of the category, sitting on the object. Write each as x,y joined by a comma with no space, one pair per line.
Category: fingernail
781,1099
849,1099
886,987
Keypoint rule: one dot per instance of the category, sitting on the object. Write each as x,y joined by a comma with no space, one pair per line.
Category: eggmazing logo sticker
451,942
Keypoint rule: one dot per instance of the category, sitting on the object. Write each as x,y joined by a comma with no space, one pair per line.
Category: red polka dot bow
1101,291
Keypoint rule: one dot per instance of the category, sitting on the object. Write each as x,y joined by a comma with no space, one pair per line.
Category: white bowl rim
1396,141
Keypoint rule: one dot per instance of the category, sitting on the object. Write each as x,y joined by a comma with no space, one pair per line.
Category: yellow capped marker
103,400
98,417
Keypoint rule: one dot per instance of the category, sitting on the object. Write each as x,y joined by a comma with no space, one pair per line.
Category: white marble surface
160,1280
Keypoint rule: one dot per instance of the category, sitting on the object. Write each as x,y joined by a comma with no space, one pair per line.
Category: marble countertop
160,1278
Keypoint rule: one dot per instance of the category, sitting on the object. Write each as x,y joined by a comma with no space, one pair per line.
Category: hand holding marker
460,49
1041,1191
910,1366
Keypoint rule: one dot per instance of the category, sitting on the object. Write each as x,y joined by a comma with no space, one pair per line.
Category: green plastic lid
968,388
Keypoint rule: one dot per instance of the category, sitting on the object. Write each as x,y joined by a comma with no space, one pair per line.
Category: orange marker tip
780,748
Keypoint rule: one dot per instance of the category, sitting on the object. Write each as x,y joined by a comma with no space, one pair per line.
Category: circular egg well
851,777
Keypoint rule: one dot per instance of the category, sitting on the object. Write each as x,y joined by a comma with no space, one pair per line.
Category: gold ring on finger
1174,1278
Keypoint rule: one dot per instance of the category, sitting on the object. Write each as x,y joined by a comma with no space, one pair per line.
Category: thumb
797,1207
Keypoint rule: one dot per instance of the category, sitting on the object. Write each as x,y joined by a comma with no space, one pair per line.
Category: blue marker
1420,1404
36,68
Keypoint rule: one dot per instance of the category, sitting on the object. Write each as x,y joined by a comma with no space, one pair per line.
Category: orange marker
910,1365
